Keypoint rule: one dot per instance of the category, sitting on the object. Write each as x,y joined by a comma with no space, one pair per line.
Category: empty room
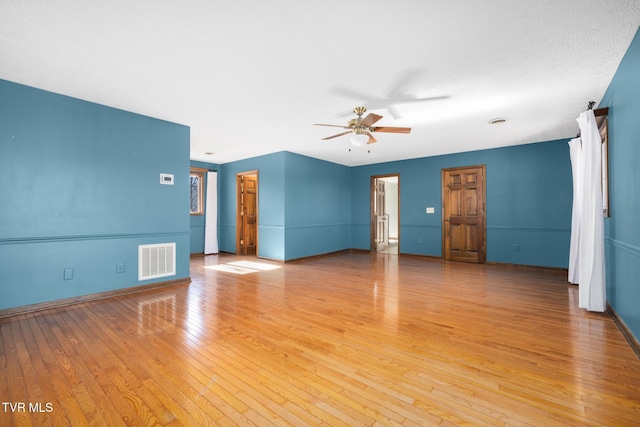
320,213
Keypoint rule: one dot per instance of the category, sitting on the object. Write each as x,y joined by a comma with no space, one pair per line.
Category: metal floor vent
157,260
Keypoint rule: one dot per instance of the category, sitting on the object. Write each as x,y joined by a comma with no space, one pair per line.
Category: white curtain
587,263
211,216
575,152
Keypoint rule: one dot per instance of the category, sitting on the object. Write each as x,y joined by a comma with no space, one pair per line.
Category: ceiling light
359,139
498,121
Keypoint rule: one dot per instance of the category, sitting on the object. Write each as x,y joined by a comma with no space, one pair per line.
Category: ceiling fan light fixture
359,139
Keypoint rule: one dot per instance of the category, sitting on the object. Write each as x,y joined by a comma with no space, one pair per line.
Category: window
196,191
603,126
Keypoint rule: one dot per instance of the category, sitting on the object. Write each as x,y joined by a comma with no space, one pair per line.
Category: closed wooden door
463,214
247,219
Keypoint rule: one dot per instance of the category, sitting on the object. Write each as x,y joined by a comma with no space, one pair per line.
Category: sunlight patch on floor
243,267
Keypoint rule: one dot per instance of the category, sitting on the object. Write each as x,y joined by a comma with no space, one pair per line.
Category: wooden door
382,219
247,217
463,214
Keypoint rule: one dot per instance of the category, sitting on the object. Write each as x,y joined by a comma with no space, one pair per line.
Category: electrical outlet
67,274
120,267
516,247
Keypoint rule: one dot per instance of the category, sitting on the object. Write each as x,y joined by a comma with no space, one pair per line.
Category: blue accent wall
303,205
197,221
529,194
317,206
622,234
271,235
309,206
80,189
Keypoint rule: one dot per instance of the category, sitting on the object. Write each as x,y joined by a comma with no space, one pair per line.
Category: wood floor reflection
350,339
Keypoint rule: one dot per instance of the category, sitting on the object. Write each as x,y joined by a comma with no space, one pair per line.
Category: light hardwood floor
349,339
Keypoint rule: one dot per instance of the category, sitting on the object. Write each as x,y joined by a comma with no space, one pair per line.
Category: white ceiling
250,77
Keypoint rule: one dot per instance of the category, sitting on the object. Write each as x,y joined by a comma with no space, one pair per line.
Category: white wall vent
157,260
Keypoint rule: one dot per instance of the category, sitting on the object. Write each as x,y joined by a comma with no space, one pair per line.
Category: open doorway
385,214
247,213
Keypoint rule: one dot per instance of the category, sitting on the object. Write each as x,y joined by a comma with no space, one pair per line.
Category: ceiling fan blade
370,119
335,126
371,138
391,129
335,136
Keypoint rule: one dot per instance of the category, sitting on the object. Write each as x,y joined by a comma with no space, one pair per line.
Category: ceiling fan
361,129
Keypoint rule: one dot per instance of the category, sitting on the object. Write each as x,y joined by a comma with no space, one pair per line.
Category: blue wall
309,207
303,205
197,221
80,189
317,206
529,193
271,186
622,234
